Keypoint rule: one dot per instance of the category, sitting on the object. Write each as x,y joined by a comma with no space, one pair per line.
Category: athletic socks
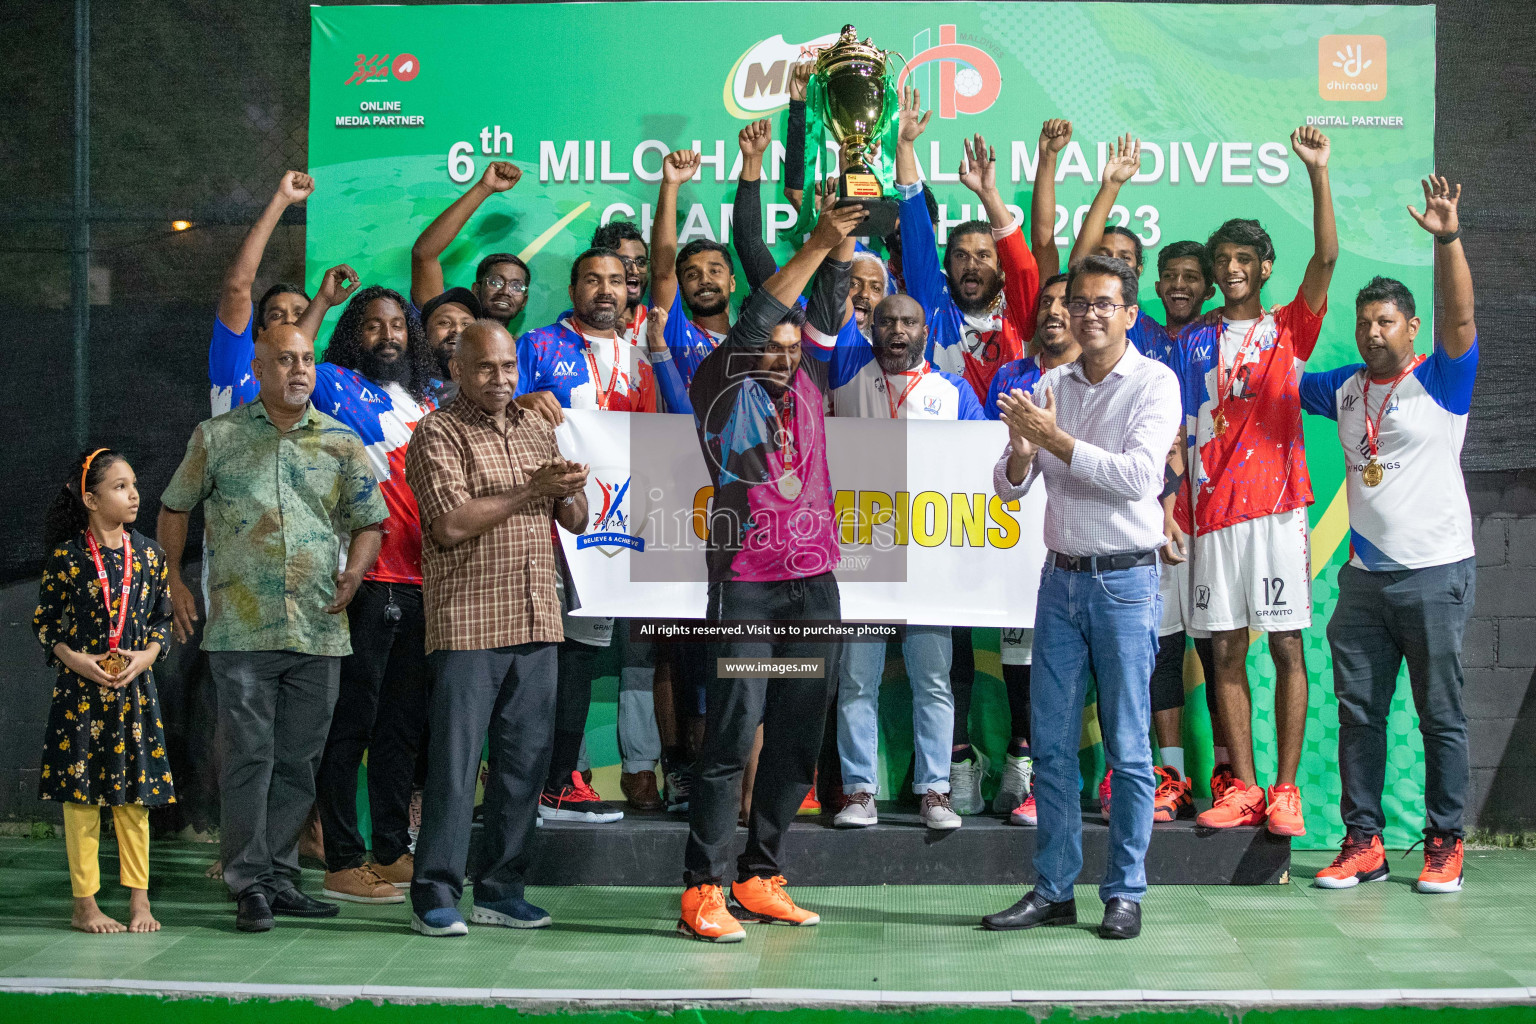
962,753
1173,757
1020,748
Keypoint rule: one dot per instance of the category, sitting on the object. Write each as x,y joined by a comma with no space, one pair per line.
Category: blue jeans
927,652
1102,625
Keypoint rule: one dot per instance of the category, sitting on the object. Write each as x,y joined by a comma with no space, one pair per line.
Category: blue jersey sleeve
229,366
995,391
1320,391
1449,381
970,409
674,393
920,267
527,365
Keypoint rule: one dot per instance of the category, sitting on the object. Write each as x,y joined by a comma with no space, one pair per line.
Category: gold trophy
855,109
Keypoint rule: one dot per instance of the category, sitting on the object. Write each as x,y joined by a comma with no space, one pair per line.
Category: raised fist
1311,145
296,186
501,175
679,165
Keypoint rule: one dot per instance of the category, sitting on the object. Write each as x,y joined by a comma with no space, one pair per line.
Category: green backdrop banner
408,104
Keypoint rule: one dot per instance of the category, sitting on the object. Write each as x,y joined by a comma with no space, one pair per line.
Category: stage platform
647,849
1225,949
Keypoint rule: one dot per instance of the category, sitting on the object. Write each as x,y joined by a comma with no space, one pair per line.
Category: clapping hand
1035,423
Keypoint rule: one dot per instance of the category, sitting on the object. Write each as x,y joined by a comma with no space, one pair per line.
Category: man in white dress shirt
1098,431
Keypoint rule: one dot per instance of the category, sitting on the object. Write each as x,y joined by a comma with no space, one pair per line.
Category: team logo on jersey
969,81
758,83
1349,402
611,525
1203,598
565,367
932,404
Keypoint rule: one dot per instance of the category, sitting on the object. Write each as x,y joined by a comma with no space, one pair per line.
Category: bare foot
89,918
139,917
215,870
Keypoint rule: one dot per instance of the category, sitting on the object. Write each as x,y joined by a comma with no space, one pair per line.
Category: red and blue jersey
1250,460
972,346
585,372
383,415
860,388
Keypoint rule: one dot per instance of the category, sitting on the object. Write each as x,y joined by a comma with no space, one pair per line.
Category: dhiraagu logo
968,80
758,83
1352,68
610,526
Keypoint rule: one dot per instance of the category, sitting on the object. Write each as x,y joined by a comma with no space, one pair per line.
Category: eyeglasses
1102,308
496,284
635,262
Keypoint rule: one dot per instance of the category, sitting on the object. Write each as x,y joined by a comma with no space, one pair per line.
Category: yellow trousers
82,836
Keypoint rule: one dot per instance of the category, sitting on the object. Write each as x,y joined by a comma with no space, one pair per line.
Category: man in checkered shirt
488,479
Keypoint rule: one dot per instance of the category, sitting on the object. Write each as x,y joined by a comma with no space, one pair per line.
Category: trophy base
883,212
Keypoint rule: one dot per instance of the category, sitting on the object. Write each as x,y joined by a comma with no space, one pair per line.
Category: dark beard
715,310
600,318
913,357
441,357
977,308
396,371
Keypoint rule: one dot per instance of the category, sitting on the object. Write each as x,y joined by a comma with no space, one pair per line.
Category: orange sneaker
1222,780
810,805
1104,792
1172,800
1443,860
1025,813
1237,806
764,899
1361,860
705,916
1284,811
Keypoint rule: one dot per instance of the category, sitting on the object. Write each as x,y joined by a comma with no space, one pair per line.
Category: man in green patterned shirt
280,483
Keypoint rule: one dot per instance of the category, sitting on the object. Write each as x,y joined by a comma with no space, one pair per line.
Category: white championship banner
923,537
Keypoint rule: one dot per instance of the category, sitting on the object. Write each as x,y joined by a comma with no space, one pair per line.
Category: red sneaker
1025,813
1284,811
1237,806
576,802
1361,860
1443,862
1104,792
1172,800
1222,780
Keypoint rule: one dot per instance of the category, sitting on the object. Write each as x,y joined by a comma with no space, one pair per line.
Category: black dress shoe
1032,911
1122,919
292,903
252,913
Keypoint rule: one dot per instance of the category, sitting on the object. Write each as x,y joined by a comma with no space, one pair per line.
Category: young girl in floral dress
104,616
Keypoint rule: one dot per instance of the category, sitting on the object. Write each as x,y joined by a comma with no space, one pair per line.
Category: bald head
284,366
484,366
900,333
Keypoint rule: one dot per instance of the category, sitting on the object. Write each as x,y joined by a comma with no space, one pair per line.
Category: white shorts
1173,586
1255,574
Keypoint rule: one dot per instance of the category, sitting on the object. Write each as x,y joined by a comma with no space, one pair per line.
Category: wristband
1448,239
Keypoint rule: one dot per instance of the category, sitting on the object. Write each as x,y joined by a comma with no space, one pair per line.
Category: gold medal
790,485
1372,474
1219,423
114,663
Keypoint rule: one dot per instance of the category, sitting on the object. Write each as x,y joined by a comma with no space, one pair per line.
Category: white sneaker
860,812
1013,787
965,784
937,814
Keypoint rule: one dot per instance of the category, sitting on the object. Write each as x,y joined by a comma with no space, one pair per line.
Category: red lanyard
1224,383
787,431
115,636
604,394
917,378
1373,430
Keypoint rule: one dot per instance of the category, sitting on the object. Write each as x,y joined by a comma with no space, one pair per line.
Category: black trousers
382,709
793,714
509,691
189,707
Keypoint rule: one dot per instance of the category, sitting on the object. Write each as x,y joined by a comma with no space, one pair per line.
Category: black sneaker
576,802
677,789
